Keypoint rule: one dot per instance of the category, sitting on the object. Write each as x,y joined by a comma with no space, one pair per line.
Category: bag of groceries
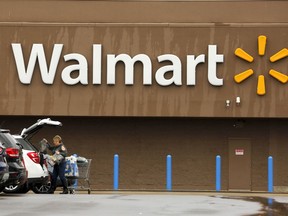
71,169
56,158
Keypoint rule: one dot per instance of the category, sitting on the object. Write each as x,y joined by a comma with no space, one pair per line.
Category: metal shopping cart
81,181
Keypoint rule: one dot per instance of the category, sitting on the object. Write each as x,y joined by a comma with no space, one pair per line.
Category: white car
38,174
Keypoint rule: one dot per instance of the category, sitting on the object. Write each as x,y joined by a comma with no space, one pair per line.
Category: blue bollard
116,171
169,172
218,173
270,174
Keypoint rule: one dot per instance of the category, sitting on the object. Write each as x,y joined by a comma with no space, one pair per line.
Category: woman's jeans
59,170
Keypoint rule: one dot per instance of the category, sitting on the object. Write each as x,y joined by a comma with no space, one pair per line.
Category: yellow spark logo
261,90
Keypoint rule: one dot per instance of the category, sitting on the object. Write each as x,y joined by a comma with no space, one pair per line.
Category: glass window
26,145
7,140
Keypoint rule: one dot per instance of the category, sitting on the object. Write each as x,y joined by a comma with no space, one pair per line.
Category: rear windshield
8,140
26,145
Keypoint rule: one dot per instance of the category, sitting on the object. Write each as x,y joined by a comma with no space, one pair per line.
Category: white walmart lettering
175,66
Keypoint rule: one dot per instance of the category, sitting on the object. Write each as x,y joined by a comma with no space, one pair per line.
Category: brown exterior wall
203,99
143,144
164,31
145,123
77,11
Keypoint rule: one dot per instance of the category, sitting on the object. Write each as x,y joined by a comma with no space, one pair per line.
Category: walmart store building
147,79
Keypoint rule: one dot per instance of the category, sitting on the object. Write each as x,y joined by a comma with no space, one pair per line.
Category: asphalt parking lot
143,203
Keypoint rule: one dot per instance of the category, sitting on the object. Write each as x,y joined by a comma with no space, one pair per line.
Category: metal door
239,164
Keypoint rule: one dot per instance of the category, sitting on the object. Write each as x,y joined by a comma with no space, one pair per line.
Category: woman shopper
59,152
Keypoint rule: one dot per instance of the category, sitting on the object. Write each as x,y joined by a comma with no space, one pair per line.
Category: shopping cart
81,182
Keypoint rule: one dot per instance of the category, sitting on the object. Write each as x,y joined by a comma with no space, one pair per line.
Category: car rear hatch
28,133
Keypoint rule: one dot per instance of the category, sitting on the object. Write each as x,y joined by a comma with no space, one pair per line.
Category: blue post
218,173
270,174
169,172
116,171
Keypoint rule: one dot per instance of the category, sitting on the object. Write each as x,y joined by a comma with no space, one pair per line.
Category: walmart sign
48,72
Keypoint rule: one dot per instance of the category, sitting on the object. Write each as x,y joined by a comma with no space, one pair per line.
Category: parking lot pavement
137,203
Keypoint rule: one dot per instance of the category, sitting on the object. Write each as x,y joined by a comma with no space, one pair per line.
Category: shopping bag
57,158
71,169
81,160
43,145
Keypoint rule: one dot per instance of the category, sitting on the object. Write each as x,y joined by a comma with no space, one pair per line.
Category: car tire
24,188
12,189
41,188
17,188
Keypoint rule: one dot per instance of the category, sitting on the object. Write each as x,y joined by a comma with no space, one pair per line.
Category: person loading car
59,152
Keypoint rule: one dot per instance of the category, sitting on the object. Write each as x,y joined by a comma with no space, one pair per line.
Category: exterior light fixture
227,103
238,101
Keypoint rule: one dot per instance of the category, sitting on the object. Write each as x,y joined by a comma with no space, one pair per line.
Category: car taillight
34,157
12,152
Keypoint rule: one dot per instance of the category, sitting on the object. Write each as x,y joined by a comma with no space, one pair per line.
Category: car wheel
24,188
17,188
12,189
1,189
41,188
